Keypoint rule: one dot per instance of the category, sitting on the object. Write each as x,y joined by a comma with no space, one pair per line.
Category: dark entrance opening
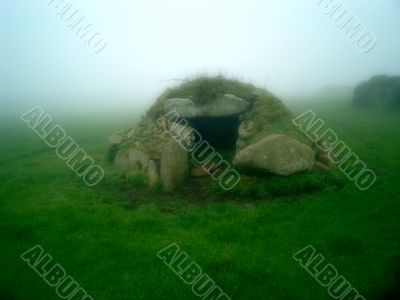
220,132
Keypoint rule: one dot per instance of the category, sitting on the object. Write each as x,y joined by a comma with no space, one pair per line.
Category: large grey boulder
277,154
224,105
174,165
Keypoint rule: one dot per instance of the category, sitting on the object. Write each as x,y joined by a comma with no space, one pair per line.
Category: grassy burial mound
245,128
381,92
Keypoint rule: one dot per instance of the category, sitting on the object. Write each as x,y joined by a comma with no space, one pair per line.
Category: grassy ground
107,237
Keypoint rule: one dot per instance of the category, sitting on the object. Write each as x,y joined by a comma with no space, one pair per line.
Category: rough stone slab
225,105
138,160
152,173
121,160
174,165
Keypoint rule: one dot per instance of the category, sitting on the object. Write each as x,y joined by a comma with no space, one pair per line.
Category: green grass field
107,237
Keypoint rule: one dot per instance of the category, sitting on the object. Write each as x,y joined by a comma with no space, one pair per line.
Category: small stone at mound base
318,166
116,139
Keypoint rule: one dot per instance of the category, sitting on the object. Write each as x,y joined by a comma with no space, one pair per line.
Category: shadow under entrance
220,132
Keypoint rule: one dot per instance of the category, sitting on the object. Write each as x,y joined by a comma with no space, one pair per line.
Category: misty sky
287,46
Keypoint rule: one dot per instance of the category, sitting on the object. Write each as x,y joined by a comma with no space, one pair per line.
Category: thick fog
290,47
